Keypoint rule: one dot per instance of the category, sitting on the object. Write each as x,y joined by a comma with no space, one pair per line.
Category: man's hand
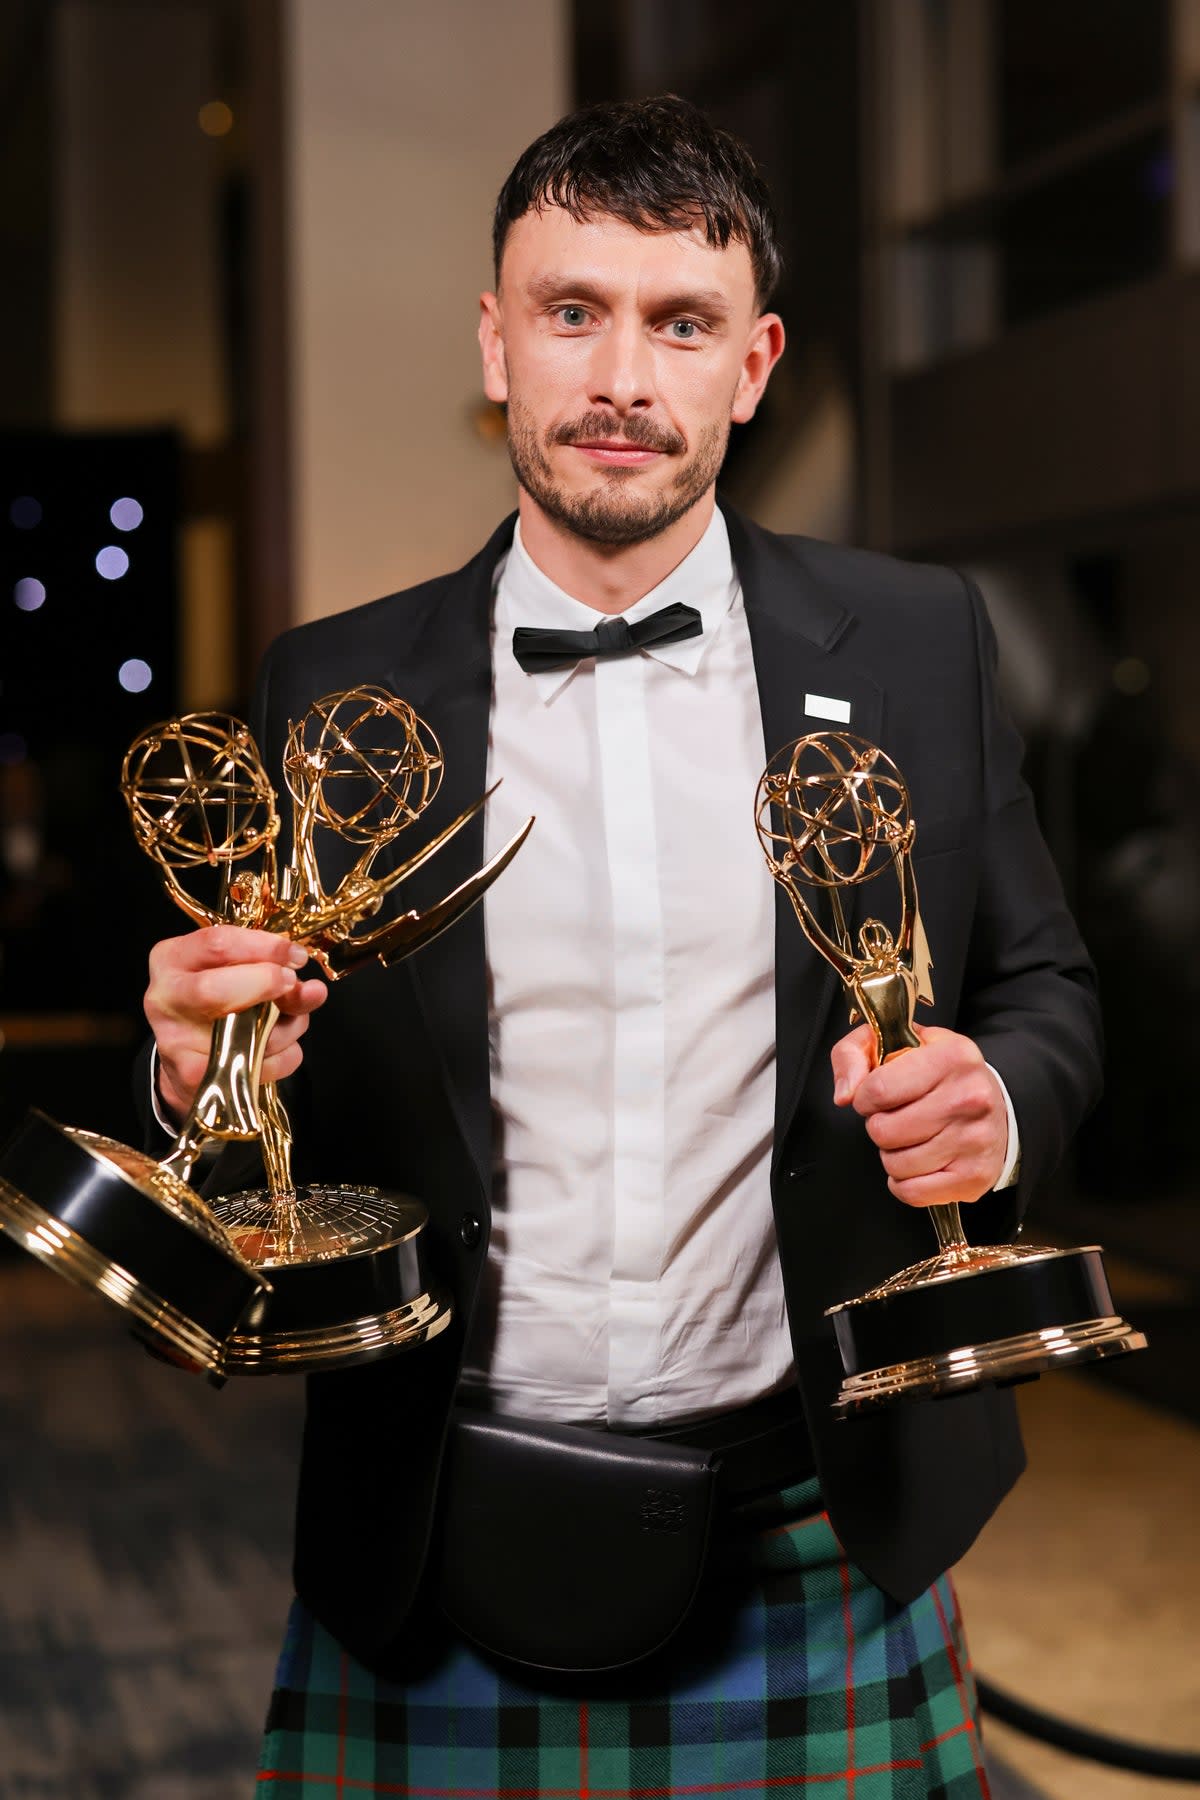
220,969
937,1114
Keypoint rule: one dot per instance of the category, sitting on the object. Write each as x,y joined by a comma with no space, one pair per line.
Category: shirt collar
704,579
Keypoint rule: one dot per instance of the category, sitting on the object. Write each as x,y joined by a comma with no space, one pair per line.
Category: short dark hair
658,164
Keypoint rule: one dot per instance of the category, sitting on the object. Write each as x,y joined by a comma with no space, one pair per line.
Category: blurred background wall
242,243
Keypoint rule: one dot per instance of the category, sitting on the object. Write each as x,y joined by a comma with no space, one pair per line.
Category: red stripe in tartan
848,1618
964,1702
794,1525
637,1793
583,1750
932,1743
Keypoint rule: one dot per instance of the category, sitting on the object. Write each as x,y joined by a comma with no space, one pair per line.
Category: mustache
642,434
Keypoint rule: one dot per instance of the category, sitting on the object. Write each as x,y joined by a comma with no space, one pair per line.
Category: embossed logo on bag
662,1510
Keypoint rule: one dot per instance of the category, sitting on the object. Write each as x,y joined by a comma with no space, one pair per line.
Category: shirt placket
639,1036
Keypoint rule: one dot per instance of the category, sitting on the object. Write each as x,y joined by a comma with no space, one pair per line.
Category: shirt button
469,1230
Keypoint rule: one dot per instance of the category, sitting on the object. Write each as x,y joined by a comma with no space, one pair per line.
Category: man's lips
617,453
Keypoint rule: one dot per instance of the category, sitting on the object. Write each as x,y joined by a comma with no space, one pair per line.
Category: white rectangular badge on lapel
821,706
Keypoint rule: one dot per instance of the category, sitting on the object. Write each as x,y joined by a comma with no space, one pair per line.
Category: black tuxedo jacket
394,1088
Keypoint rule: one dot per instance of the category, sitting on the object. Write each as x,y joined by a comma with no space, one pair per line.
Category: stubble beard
614,513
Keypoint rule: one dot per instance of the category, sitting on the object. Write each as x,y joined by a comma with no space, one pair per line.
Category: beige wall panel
137,326
403,120
1185,25
207,626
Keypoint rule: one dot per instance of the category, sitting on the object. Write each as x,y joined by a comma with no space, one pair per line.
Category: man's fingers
941,1055
929,1157
220,969
216,946
852,1058
302,999
180,1077
936,1114
183,1049
285,1063
966,1100
286,1031
901,1080
207,994
963,1161
939,1189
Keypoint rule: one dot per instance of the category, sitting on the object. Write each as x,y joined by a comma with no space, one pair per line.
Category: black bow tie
536,649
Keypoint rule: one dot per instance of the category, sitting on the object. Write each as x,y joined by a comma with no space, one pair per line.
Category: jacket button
469,1230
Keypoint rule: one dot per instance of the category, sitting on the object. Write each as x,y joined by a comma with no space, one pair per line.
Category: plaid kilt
809,1677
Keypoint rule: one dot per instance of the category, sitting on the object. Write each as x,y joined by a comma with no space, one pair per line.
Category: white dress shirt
633,1273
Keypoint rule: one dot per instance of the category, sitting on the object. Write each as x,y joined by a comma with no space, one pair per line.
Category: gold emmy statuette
290,1277
833,812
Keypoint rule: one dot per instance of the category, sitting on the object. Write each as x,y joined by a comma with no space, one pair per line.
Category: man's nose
621,370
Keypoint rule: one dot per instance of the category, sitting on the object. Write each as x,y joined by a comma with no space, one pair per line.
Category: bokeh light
112,562
13,748
215,118
29,593
25,512
135,675
126,514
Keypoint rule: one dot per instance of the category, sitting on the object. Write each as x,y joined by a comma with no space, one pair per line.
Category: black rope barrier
1080,1740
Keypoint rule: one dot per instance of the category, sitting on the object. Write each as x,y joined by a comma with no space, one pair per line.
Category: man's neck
609,578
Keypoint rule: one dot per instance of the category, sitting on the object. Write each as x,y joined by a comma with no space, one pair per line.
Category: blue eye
684,328
572,315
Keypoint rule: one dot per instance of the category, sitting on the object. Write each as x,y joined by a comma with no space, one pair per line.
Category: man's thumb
853,1058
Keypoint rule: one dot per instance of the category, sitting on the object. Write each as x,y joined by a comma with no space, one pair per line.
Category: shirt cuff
1012,1157
159,1111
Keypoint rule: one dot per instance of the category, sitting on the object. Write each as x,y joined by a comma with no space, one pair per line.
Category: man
652,1153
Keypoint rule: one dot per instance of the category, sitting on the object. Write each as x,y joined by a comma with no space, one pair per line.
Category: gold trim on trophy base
1003,1360
163,1186
62,1249
316,1223
961,1261
344,1344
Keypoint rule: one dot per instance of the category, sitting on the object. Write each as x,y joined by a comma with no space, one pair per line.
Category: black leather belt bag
579,1550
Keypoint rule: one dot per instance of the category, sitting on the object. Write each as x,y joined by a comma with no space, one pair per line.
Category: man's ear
491,347
762,353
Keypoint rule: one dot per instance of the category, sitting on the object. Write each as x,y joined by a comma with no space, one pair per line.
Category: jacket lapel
446,674
802,639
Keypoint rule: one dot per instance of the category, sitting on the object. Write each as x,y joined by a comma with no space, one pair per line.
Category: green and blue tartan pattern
820,1682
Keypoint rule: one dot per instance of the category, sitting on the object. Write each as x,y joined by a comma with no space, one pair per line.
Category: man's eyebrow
551,286
700,300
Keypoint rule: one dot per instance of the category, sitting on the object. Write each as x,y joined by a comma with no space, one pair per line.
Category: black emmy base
252,1284
966,1319
114,1221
